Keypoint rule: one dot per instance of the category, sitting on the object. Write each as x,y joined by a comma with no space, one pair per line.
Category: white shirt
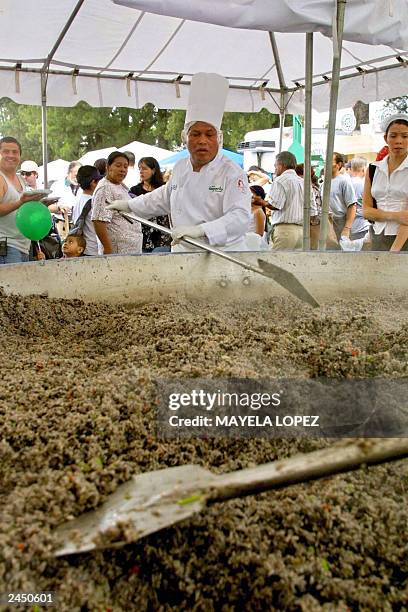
217,197
93,246
62,190
390,192
287,195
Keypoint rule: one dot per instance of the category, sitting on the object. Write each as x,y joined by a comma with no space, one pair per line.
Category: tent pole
282,85
337,44
44,127
281,120
44,78
308,141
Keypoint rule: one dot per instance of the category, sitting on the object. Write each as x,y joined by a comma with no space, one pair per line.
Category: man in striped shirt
286,202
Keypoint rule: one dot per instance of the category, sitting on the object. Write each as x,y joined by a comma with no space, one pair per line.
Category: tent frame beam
169,81
44,79
282,85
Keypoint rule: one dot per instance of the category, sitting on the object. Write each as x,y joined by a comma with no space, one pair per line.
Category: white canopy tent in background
90,157
139,149
56,170
112,55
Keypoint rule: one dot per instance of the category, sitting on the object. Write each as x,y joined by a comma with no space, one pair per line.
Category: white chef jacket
217,197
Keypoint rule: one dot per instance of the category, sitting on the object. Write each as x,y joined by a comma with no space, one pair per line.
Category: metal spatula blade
154,500
147,503
281,276
288,281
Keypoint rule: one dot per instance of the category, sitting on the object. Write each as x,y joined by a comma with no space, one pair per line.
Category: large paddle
155,500
281,276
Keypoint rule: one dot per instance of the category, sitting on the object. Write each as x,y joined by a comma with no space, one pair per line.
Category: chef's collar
212,164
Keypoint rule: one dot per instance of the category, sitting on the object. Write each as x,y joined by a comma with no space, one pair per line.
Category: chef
208,196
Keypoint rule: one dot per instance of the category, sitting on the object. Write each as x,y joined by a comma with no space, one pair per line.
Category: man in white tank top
14,247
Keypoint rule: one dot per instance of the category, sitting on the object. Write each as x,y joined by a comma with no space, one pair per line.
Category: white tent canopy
112,55
90,157
139,149
56,170
374,22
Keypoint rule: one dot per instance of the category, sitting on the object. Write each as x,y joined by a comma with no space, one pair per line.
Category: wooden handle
338,458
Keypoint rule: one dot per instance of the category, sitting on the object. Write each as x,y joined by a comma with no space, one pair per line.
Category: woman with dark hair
116,234
259,176
150,176
150,179
385,198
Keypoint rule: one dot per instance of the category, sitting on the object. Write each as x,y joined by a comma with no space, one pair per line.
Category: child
74,246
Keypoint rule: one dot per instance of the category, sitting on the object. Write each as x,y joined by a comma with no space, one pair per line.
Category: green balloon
33,219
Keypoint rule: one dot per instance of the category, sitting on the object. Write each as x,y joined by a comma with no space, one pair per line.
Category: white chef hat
386,122
208,94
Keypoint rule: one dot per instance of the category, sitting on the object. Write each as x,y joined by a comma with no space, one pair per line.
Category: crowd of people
368,202
207,197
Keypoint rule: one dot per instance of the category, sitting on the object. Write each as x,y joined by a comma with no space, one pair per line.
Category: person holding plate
14,247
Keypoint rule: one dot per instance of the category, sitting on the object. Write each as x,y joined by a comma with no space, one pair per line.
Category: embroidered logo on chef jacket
173,187
217,189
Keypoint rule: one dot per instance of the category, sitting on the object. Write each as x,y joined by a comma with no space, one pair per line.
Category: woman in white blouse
385,200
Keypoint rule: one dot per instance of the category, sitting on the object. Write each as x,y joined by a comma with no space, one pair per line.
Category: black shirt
152,238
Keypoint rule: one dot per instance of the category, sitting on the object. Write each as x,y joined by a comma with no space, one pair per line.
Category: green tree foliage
398,105
71,132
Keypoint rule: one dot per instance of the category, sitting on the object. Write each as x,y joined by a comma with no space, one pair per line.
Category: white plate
35,192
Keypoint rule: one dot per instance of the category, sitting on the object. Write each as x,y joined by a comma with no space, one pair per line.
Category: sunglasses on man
25,173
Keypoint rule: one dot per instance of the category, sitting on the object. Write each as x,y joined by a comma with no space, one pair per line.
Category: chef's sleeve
152,204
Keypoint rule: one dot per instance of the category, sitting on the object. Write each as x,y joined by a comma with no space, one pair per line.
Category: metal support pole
337,44
44,127
44,78
282,85
281,119
308,141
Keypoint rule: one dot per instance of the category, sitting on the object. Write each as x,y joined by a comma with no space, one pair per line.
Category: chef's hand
121,205
186,231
